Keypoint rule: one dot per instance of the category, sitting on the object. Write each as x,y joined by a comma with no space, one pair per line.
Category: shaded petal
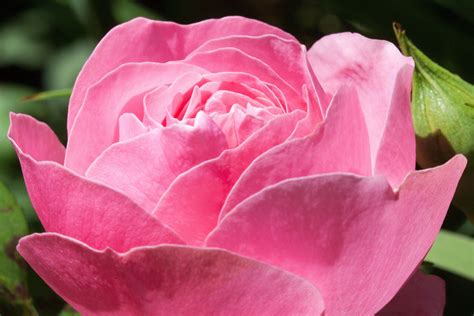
157,41
74,206
165,280
121,91
339,144
352,236
422,295
145,166
370,65
397,155
313,115
35,139
192,203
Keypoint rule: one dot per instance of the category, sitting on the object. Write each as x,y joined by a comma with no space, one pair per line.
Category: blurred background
44,43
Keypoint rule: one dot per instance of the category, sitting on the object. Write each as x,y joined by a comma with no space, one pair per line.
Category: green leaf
454,253
48,95
68,311
14,296
10,96
443,117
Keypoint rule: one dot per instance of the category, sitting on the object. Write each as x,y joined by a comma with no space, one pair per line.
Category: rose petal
235,60
165,280
170,100
121,91
313,115
74,206
397,155
192,202
35,139
232,81
145,166
158,41
422,295
237,125
339,144
370,65
286,57
352,236
231,98
130,126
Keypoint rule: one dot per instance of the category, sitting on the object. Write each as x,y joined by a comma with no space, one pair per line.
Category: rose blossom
219,168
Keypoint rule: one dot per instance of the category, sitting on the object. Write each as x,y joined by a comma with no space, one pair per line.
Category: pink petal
237,125
158,41
130,126
371,66
192,203
162,101
234,81
313,115
422,295
231,98
35,139
145,166
193,105
74,206
397,155
339,144
165,280
121,91
286,57
352,236
235,60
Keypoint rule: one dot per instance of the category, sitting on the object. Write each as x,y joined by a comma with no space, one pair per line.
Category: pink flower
219,168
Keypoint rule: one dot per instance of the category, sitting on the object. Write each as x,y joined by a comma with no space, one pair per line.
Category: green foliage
68,311
10,96
48,95
443,117
453,252
14,297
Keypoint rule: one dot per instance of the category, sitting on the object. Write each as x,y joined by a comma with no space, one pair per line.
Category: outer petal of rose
145,166
121,91
166,280
234,60
372,67
35,138
339,144
156,41
192,203
74,206
422,295
352,236
396,156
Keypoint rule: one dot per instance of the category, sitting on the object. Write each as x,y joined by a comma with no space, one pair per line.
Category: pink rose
219,168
